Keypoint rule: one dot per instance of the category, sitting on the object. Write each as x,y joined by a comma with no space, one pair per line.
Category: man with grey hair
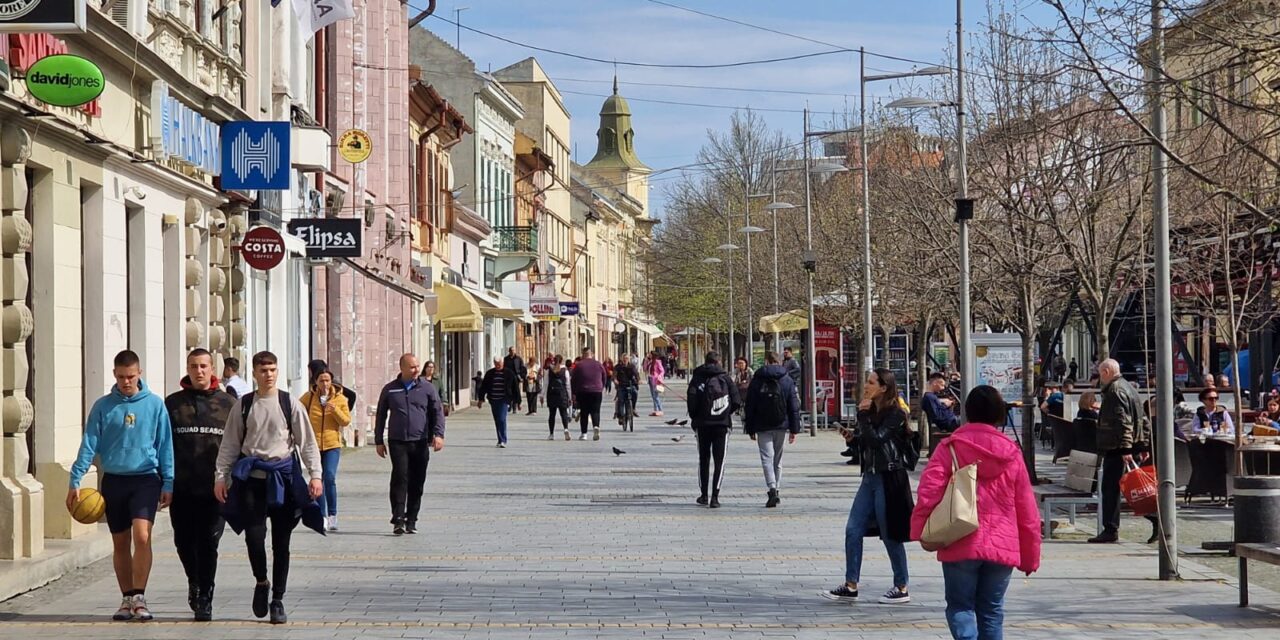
1118,431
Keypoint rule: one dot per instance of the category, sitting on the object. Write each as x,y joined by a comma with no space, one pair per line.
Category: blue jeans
329,471
499,410
975,598
657,397
868,504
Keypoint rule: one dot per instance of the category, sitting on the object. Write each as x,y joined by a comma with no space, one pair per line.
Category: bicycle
624,407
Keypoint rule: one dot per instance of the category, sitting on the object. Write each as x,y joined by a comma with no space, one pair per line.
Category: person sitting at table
1212,419
1089,405
1270,418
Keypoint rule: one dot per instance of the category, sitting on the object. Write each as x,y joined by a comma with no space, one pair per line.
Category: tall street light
729,246
748,230
868,337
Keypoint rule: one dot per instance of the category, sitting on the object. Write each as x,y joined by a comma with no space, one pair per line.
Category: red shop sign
262,248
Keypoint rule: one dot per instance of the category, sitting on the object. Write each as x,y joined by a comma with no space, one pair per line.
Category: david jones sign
329,237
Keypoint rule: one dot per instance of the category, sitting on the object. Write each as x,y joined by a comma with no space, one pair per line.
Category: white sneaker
551,436
596,434
333,523
582,437
567,437
140,610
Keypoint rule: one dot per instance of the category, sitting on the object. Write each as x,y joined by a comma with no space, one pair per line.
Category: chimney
415,73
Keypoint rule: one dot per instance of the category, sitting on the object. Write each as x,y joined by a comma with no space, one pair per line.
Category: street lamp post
868,338
748,229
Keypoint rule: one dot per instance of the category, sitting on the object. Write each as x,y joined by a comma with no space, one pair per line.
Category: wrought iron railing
515,239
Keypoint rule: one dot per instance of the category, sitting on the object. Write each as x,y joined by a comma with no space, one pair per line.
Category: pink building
364,305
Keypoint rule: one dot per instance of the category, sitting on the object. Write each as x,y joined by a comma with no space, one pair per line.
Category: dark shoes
773,499
260,593
1106,537
411,528
848,453
398,530
193,595
277,613
702,500
1155,528
203,607
715,501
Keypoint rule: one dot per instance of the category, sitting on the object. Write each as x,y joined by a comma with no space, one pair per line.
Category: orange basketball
90,508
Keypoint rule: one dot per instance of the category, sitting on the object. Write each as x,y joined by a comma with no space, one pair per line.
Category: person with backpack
977,567
265,446
558,397
772,415
712,401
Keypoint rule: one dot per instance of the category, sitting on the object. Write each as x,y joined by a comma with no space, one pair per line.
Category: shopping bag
660,388
1138,485
956,516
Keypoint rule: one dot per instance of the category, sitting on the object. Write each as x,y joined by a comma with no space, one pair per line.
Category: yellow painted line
851,625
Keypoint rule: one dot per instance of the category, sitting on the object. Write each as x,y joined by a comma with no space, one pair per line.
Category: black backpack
771,411
286,406
715,399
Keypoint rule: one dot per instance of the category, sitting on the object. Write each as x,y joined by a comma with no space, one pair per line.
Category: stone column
58,310
21,495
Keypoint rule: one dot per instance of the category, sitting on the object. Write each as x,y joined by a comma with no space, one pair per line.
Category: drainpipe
431,8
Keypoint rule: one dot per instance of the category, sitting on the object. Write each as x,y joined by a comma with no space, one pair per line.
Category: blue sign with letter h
255,155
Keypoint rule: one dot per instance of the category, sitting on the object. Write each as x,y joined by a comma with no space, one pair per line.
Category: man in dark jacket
198,414
497,386
1118,432
587,379
712,401
515,364
411,417
772,415
627,377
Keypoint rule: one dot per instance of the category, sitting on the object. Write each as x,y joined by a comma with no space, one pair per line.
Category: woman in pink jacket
976,568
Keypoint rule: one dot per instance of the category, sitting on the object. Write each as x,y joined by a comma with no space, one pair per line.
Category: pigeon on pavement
683,422
617,451
678,438
671,421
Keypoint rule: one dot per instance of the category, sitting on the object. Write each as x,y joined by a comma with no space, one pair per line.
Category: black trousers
409,460
711,447
551,418
1112,470
589,407
197,529
533,402
283,521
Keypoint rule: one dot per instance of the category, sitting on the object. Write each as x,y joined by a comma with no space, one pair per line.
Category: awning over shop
496,305
661,342
785,322
459,311
655,334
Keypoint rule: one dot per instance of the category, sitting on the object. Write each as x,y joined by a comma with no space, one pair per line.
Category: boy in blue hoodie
128,430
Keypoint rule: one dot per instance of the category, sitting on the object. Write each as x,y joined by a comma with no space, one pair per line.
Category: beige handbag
956,516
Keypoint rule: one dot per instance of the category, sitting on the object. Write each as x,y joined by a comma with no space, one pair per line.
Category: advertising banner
826,341
544,304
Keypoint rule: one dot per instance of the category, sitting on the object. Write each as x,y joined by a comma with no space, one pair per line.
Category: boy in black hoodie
713,399
198,414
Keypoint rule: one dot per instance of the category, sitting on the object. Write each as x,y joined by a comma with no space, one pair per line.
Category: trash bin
1257,508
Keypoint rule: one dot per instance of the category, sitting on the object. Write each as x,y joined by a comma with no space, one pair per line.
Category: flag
314,15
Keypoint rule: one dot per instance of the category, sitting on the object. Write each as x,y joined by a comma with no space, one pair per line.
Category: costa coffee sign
262,248
329,237
48,16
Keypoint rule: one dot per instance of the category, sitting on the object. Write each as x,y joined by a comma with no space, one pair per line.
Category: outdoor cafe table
1213,462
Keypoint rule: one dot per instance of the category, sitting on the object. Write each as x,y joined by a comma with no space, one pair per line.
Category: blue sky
670,135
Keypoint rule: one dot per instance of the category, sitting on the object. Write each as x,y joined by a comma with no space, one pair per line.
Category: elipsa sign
47,16
329,237
65,80
255,155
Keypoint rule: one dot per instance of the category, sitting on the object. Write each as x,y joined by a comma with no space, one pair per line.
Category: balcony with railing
516,239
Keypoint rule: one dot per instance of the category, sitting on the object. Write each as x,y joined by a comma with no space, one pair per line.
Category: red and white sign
262,248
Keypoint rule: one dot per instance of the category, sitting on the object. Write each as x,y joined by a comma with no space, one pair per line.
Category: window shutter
119,12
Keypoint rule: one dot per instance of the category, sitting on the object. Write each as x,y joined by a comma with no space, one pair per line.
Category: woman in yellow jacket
327,407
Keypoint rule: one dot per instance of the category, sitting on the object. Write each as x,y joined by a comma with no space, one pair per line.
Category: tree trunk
922,374
1028,390
1238,418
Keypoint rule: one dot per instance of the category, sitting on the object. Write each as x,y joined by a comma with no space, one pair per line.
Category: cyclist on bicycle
627,377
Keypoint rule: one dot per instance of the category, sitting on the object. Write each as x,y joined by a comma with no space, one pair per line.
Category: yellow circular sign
355,146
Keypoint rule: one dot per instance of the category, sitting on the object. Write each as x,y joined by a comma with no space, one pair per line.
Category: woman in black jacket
884,495
556,387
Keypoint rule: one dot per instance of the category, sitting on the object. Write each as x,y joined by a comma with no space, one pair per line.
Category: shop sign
65,80
181,133
48,16
544,310
26,50
262,248
329,237
255,155
569,308
355,146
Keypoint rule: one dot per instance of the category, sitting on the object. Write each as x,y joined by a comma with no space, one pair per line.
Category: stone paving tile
554,539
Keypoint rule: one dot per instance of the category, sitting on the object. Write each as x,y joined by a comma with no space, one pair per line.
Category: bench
1264,552
1078,488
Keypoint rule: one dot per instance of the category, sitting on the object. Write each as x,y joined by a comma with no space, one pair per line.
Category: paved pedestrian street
556,539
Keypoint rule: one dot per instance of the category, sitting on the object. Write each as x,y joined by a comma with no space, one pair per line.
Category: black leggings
551,418
589,406
711,444
283,522
197,528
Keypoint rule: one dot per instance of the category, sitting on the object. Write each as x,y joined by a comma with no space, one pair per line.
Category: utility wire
838,48
687,104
